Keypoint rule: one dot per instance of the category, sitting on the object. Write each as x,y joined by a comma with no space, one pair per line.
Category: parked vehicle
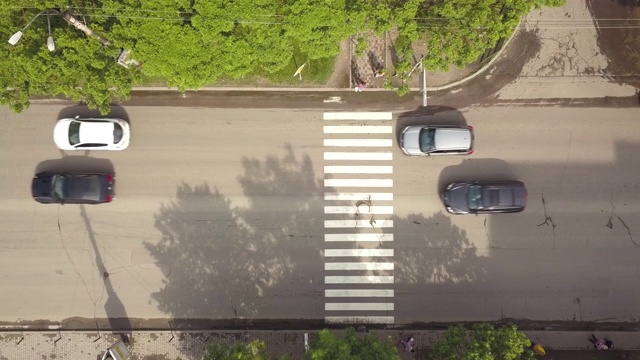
50,188
424,140
91,134
485,197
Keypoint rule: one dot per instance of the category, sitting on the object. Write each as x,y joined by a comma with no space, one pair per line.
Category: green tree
327,346
255,350
80,67
459,31
482,342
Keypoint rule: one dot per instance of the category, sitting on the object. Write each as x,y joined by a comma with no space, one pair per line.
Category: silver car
424,140
91,134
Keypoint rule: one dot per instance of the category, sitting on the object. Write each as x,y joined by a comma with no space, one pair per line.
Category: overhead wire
422,22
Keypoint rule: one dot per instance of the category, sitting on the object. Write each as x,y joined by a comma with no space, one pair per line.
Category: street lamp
50,43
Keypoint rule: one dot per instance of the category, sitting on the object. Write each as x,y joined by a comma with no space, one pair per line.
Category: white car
91,134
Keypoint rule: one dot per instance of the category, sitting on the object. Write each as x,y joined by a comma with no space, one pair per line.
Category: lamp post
123,59
50,43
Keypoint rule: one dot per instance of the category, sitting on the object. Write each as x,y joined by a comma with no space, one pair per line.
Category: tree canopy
190,44
482,342
328,346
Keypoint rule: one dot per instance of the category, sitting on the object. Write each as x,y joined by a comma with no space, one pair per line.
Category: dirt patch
618,37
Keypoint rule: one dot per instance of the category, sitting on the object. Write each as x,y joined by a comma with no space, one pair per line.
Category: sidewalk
170,345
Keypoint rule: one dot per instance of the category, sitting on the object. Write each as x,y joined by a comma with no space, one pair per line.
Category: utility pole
423,79
424,83
82,27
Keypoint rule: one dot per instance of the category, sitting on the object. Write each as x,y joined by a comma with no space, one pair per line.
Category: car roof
96,132
84,187
503,194
452,138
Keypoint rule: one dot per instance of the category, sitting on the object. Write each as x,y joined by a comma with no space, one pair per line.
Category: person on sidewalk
361,86
409,344
601,344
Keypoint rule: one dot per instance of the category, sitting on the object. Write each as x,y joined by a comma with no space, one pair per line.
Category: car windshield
117,133
58,187
427,139
474,195
74,133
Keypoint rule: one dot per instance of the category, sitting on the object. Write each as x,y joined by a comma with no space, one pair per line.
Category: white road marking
358,169
358,237
357,116
359,319
350,210
358,142
358,306
359,196
334,99
358,279
358,252
358,293
368,261
358,155
363,129
359,266
358,183
357,224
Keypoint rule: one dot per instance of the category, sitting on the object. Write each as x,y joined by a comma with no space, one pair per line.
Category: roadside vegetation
480,342
189,44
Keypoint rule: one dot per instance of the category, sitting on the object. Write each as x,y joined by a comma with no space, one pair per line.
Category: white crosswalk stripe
358,182
380,156
358,252
358,169
358,306
361,210
359,196
371,116
358,142
367,129
358,237
358,226
359,319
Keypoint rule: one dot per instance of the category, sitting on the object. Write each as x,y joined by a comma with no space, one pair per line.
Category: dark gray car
485,197
50,188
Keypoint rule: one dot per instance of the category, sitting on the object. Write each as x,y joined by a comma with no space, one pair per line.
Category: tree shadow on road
434,251
239,262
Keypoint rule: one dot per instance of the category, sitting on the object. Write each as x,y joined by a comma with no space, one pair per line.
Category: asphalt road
219,214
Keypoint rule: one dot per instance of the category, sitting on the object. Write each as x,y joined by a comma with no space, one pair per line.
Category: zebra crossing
358,198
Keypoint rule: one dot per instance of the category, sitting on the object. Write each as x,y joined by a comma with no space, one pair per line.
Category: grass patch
316,72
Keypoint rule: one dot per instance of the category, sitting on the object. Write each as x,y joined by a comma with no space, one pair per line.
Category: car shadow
83,111
476,170
76,164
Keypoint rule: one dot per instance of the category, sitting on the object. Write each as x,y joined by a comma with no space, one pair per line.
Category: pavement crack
548,221
486,231
610,223
628,231
359,203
